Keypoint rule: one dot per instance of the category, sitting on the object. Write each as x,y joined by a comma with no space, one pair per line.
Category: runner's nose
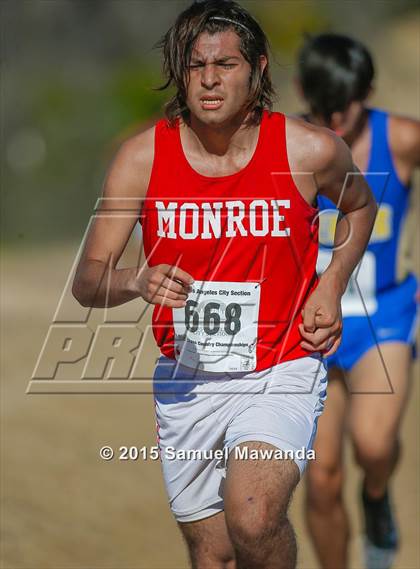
209,76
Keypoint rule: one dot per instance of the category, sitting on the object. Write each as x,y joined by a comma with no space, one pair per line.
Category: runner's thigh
258,491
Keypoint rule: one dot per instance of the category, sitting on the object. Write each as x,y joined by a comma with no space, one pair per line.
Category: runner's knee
324,486
248,530
369,453
251,535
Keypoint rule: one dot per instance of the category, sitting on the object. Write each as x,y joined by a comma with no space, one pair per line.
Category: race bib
360,297
218,328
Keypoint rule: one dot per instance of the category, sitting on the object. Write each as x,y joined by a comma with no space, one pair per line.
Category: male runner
231,240
379,309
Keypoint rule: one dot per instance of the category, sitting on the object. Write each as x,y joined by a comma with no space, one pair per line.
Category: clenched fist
163,284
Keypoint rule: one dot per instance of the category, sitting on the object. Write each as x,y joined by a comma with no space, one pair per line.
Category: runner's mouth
211,103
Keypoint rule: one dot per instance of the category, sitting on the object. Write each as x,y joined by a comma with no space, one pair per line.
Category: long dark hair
334,70
214,16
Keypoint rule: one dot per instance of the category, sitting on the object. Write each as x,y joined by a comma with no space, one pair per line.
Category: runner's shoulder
138,150
131,167
313,148
404,138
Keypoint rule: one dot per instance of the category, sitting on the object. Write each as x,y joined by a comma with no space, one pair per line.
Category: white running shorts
201,417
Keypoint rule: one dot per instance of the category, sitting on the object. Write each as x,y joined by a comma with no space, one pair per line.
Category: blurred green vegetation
286,22
81,126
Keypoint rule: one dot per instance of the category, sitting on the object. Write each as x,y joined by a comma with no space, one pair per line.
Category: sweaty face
218,78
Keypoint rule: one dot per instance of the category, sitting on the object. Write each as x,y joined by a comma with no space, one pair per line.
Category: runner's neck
227,140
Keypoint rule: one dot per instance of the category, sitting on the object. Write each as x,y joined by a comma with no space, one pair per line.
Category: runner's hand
164,284
321,329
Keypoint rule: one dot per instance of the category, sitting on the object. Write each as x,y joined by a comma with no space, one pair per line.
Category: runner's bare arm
336,177
319,152
341,181
98,282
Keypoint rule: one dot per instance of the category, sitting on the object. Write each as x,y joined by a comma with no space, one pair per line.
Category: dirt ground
64,507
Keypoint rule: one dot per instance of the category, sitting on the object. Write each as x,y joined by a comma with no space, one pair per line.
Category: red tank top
249,240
